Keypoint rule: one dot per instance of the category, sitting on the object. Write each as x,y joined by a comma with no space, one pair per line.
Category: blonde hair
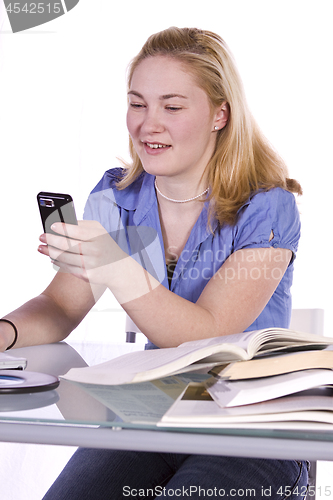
243,161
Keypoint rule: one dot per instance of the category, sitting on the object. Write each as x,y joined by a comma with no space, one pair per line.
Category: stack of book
274,378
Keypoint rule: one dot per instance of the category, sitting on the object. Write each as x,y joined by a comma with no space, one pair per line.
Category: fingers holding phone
84,249
54,208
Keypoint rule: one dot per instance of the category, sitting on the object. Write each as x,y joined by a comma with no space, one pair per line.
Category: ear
221,116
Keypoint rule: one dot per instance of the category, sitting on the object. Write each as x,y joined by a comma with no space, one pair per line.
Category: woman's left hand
87,251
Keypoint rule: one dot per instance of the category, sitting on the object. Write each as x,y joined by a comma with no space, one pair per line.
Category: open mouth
156,145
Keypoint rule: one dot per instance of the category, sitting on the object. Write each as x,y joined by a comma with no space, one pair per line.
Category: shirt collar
146,199
140,197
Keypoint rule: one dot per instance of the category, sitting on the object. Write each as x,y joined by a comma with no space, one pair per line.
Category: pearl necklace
180,201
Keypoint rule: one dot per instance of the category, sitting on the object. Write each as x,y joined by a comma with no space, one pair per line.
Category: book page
270,421
141,366
145,402
240,340
138,403
235,393
282,339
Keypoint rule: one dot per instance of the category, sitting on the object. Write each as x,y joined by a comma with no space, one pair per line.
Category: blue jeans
111,475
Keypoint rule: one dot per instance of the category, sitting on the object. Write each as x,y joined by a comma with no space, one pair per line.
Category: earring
216,127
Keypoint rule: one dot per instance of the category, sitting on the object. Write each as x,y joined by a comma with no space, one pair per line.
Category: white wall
62,117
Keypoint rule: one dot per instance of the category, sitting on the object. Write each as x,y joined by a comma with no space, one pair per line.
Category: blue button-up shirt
131,217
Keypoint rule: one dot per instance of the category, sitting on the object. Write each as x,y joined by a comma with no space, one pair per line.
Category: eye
173,108
136,105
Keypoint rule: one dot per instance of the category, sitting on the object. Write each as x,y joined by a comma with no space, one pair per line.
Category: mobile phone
55,207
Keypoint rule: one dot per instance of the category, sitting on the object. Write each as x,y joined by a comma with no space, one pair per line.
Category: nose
152,122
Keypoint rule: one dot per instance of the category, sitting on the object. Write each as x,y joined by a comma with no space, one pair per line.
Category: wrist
9,333
129,280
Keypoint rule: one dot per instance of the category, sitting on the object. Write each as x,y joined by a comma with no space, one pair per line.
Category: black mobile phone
55,207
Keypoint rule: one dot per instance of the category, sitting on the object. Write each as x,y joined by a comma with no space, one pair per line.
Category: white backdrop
62,119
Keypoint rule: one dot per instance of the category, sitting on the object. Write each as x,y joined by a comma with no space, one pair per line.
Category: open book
141,366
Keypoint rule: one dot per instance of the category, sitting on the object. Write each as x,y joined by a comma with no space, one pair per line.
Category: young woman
195,238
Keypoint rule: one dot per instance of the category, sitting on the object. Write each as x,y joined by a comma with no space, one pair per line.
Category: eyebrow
163,97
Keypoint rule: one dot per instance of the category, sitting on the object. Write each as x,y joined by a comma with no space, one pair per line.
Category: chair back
308,320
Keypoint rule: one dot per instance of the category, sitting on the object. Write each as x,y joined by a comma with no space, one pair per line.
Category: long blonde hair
243,161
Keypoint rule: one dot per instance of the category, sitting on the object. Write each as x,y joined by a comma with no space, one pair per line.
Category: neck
180,194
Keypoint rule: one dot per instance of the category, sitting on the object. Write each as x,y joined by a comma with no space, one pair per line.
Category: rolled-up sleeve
269,219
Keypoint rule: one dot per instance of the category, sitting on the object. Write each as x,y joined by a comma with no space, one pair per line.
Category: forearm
168,320
39,321
225,306
164,317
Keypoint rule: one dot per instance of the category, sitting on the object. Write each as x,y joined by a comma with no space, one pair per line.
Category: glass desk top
81,415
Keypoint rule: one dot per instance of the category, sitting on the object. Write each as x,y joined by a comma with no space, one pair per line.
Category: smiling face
170,119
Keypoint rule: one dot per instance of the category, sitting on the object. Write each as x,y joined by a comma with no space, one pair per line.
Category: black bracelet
15,330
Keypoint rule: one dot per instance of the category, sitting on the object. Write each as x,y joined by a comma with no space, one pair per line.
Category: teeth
156,146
